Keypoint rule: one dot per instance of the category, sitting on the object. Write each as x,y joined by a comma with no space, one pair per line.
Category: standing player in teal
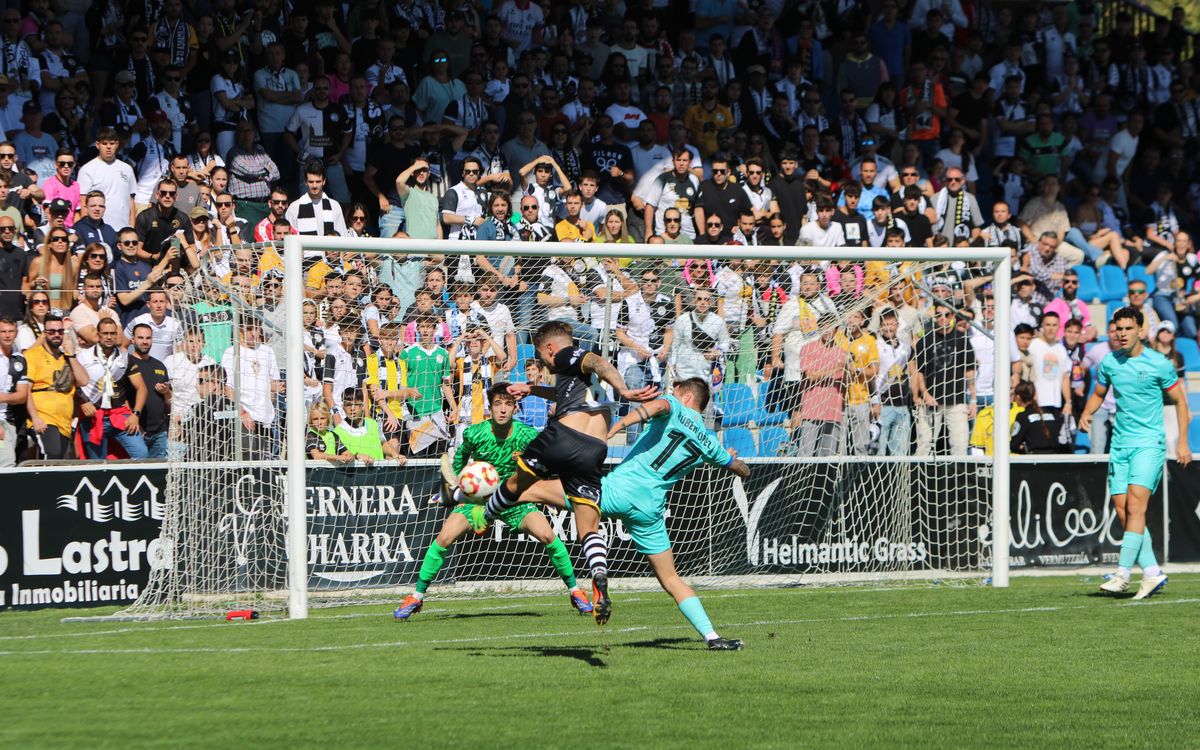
1137,450
495,441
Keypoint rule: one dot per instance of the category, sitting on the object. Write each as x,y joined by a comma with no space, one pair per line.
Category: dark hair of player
1131,313
699,390
555,329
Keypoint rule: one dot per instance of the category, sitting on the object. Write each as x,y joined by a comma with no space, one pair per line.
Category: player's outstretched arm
521,390
640,413
1094,402
606,371
738,466
1183,452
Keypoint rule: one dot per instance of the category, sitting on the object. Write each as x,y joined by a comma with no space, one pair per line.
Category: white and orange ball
478,480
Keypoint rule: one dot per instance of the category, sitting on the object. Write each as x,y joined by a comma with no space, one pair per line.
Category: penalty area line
576,633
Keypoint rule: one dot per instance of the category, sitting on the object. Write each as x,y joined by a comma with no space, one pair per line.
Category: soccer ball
478,480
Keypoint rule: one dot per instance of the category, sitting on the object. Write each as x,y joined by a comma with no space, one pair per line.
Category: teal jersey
1138,384
671,445
480,444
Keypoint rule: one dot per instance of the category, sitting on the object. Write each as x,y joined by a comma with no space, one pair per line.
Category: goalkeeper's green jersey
480,444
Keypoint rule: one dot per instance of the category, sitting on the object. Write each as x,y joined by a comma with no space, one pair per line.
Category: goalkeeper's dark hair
699,390
498,390
553,329
1132,313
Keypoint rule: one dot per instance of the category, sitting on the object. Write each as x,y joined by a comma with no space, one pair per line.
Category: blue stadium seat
741,440
771,439
524,352
737,404
1111,307
764,416
1113,284
1089,285
1191,353
1194,431
618,451
1083,443
1138,273
1194,403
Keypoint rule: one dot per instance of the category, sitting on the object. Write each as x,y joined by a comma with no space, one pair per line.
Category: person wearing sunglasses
55,267
54,374
957,210
62,184
438,89
14,270
164,230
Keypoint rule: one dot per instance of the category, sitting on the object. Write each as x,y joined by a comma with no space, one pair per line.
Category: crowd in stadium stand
150,148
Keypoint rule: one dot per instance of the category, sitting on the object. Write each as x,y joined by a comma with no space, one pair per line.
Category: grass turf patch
1043,664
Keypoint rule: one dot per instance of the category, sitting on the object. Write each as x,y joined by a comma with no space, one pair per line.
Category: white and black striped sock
500,501
595,551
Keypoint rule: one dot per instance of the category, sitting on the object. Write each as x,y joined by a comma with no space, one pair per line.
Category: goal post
295,247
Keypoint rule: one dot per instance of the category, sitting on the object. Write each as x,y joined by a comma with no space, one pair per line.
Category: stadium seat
1113,284
737,404
1194,403
618,451
525,352
1194,432
741,440
1089,285
764,416
1111,307
770,440
1138,273
1191,353
1083,442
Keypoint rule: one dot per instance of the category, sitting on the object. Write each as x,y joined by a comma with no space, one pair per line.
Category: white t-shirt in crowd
1050,364
117,182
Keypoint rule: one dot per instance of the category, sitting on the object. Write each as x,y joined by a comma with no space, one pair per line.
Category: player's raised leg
663,565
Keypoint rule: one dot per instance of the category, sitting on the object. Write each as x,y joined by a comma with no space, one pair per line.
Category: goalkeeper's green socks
693,610
1146,559
435,558
561,560
1131,548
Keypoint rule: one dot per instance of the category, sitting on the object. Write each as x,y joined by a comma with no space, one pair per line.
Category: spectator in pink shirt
1068,306
823,364
62,183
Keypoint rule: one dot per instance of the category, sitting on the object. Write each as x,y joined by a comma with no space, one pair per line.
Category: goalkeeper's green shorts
510,516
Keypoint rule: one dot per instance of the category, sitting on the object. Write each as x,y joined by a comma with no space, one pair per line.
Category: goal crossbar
294,285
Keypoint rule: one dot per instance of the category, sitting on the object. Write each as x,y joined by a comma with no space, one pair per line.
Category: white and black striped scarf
311,220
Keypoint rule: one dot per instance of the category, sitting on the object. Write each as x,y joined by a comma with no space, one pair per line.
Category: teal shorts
510,516
1142,466
646,527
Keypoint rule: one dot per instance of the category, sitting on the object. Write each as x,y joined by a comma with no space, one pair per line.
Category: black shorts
784,395
570,456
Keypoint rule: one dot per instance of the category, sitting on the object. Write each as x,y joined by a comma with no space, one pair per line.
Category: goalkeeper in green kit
494,441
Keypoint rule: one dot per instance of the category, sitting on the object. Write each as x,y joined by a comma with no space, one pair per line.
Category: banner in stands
89,537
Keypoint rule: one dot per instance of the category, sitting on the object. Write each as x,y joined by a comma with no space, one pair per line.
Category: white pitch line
576,633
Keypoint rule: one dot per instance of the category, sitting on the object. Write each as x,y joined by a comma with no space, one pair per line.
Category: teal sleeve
1102,376
1167,374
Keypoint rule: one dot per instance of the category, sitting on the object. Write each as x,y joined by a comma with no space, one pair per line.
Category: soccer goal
808,350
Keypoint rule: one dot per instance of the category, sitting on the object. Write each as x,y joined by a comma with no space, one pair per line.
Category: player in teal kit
1137,450
674,442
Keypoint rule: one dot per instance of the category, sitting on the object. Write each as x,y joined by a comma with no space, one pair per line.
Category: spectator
316,134
165,329
824,232
316,213
105,407
819,409
91,308
184,367
1035,430
32,327
154,420
892,386
14,391
322,443
164,230
1068,306
111,177
54,374
429,372
360,434
62,185
957,211
279,94
699,341
1051,367
91,227
132,278
943,384
1175,273
252,172
14,271
254,368
1137,300
55,269
862,370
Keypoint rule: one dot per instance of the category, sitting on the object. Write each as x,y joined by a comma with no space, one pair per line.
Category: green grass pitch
1044,664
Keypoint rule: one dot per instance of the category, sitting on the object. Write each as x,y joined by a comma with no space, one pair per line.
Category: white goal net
850,384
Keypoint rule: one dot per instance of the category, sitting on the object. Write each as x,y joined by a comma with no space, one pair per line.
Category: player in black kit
571,448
